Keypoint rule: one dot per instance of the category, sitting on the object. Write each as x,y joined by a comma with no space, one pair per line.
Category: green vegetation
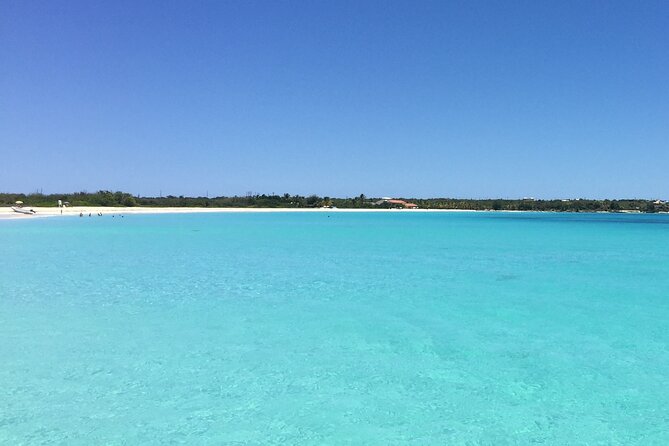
100,198
108,198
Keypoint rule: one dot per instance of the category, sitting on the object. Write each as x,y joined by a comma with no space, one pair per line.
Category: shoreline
6,213
42,212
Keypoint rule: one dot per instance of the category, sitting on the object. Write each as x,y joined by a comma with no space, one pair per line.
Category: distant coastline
93,211
102,201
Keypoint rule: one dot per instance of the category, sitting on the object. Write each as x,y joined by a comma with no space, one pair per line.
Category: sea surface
335,329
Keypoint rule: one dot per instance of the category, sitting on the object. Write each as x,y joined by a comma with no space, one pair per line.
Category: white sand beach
74,211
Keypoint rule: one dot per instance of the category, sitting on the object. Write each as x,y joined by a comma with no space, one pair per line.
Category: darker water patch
644,219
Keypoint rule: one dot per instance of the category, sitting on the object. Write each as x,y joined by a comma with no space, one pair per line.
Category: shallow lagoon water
335,328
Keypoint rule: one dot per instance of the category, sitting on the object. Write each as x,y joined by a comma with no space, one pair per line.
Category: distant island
108,198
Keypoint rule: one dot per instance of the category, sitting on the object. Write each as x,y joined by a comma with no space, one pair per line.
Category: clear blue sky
414,99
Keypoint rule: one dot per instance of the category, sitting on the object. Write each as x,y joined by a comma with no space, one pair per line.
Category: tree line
109,198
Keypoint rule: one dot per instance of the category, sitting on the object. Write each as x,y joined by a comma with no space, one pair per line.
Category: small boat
21,210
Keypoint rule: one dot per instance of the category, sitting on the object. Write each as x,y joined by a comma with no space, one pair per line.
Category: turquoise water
335,329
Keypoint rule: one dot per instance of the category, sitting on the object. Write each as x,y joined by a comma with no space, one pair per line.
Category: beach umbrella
19,202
